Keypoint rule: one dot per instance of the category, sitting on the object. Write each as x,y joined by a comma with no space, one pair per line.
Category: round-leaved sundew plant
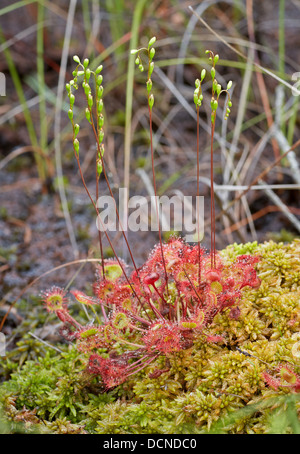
165,306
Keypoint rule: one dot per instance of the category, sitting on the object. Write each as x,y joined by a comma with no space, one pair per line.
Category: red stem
198,195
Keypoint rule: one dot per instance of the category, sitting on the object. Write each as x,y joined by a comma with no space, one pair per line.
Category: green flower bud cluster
94,102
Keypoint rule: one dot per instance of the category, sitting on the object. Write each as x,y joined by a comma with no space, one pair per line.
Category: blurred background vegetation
45,216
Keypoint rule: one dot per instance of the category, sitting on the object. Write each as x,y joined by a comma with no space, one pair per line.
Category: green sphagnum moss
217,387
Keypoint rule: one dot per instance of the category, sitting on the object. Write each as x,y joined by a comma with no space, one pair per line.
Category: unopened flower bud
76,145
151,42
151,101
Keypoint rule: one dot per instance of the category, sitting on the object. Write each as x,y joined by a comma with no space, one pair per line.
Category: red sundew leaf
172,265
113,270
172,252
288,375
120,295
187,292
191,255
103,289
90,337
211,300
66,332
228,299
284,374
187,272
212,275
250,277
65,317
